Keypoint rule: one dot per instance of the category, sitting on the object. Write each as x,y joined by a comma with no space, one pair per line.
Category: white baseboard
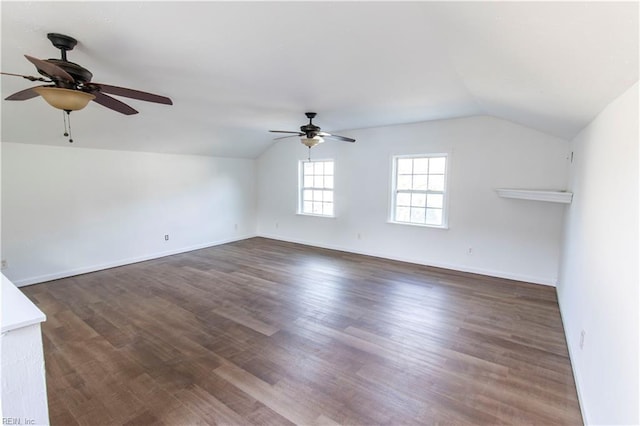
121,262
93,268
455,267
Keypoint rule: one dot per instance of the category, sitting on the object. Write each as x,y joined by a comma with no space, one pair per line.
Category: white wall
510,238
69,210
598,290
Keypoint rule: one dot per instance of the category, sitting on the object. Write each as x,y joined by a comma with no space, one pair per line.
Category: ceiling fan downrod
62,42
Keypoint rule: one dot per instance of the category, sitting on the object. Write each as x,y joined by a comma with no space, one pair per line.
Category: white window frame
444,192
302,188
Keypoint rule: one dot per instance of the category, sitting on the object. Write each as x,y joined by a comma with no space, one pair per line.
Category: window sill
419,225
316,215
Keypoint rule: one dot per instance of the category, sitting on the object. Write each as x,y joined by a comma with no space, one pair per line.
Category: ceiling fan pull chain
64,120
69,121
309,156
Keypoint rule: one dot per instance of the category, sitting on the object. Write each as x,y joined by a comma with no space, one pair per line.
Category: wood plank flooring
273,333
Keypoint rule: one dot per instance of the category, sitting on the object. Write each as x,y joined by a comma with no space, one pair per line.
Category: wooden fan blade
133,94
23,95
49,69
113,103
28,77
286,131
341,138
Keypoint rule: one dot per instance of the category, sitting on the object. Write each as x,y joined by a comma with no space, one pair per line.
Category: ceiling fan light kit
311,142
64,99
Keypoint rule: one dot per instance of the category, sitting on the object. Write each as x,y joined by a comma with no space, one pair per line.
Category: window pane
418,200
317,207
437,165
318,182
328,167
436,182
318,168
435,200
420,182
417,215
328,181
404,166
434,217
308,181
317,195
327,208
420,166
404,182
308,168
403,199
307,207
402,214
307,195
327,196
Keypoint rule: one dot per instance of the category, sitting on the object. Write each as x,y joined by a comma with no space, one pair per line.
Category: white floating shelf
536,195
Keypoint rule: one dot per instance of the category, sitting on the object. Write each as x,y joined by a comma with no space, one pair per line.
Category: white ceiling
236,69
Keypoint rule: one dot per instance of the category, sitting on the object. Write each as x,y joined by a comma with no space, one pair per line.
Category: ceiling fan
311,134
69,86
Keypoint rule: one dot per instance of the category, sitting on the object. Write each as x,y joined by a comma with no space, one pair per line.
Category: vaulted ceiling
236,69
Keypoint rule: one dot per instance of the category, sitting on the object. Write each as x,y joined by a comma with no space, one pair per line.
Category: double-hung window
316,188
419,190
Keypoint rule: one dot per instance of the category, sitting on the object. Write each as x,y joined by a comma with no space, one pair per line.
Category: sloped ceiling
236,69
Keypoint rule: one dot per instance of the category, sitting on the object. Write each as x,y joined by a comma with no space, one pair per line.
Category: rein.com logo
17,421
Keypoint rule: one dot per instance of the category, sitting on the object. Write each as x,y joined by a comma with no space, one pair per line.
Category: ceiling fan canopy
70,87
311,135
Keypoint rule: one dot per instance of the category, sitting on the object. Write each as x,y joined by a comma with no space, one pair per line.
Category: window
316,187
419,190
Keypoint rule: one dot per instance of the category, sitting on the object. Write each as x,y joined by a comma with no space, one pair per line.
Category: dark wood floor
267,332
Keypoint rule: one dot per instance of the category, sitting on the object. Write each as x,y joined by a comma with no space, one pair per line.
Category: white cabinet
24,389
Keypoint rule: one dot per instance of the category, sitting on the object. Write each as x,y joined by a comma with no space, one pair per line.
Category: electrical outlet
4,265
277,225
359,236
235,226
470,251
582,335
166,237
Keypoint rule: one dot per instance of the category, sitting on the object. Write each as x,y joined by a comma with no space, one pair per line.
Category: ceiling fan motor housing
79,74
311,130
66,43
